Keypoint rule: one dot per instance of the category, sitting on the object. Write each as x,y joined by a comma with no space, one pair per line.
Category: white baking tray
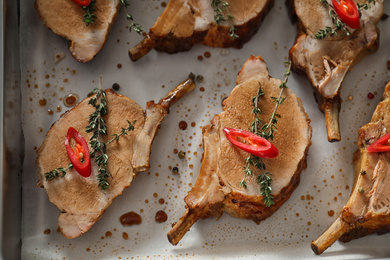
288,233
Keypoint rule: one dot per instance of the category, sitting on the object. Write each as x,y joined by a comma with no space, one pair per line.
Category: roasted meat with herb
368,208
218,188
186,22
65,18
81,200
326,53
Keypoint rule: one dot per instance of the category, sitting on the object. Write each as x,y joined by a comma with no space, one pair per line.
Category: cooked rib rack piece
186,22
326,61
65,18
217,188
368,208
79,199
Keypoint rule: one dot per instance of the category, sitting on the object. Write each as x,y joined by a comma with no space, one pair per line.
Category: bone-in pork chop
186,22
79,199
217,188
65,18
326,61
368,208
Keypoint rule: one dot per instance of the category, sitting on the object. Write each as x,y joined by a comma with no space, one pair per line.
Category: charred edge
170,239
360,230
245,32
172,44
315,249
166,43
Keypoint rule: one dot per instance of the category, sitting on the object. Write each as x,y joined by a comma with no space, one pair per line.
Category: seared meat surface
326,61
217,188
65,18
79,199
186,22
368,208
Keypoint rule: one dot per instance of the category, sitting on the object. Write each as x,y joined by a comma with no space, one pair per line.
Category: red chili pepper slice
258,146
81,150
348,12
82,2
380,145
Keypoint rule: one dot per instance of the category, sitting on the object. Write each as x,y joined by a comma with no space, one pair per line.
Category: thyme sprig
254,160
265,181
135,26
365,6
266,131
219,6
124,131
56,173
97,125
339,25
89,16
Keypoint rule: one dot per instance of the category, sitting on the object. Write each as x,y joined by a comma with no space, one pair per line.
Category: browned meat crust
187,22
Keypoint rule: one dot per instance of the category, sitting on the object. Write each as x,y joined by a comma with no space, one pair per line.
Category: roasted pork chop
326,61
79,199
368,208
217,188
65,18
186,22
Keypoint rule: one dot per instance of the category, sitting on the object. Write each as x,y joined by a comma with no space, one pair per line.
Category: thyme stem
267,131
98,126
129,17
253,160
124,131
56,173
219,6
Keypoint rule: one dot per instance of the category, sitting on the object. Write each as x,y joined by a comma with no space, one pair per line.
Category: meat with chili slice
81,201
217,188
326,61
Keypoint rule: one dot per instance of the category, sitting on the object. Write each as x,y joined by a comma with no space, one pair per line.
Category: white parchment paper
325,184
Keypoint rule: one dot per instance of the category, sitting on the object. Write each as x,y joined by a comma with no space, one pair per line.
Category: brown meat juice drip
71,99
130,218
183,125
161,216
